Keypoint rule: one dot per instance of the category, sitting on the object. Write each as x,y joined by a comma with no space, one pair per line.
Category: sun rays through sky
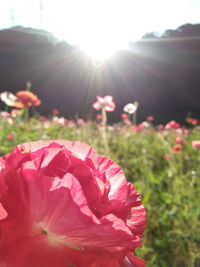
100,28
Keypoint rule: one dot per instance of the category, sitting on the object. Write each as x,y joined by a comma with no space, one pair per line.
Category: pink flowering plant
196,144
62,204
104,104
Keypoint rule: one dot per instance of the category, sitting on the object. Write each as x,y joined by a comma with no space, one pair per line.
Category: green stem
28,86
104,117
135,118
104,135
26,114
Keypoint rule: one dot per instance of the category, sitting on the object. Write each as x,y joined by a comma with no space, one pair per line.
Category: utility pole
12,17
41,13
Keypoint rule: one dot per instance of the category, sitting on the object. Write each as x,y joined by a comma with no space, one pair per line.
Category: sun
99,51
99,28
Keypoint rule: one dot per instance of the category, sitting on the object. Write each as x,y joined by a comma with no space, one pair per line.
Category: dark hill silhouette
161,73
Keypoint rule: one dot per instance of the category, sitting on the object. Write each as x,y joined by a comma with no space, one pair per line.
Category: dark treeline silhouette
162,73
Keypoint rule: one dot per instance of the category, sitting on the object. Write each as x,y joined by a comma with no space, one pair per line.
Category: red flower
62,204
10,136
106,103
177,148
189,120
167,156
160,126
195,122
127,122
43,118
150,118
172,124
71,123
134,128
179,140
140,127
26,99
88,121
192,121
55,111
99,117
80,122
124,116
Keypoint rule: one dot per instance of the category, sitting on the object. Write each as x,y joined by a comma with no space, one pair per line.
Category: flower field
162,161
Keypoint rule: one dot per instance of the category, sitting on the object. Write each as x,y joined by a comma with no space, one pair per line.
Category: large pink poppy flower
61,204
104,102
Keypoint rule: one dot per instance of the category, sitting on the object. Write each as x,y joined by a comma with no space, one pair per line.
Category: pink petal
126,195
81,150
101,100
3,213
110,107
52,207
121,194
108,98
132,261
96,106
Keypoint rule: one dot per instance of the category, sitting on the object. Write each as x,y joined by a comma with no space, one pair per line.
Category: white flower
59,120
8,98
131,108
145,124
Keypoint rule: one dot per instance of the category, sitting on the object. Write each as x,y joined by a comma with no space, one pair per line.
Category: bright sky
100,27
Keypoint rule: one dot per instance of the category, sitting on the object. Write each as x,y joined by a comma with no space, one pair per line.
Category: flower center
54,239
